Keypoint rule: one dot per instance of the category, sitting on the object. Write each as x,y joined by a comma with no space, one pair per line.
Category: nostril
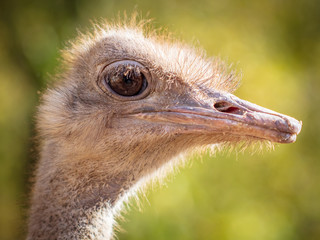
234,110
227,108
221,106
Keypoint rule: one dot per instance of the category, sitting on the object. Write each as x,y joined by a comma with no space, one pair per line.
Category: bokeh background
274,195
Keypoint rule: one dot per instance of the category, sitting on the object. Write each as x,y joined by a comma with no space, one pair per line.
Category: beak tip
287,138
300,127
292,138
296,126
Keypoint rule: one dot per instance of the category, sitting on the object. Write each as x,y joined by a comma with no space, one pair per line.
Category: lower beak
230,115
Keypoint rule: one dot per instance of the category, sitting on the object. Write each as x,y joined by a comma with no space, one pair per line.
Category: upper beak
227,113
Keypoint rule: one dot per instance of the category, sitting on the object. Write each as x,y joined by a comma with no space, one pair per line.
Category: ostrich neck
78,190
70,203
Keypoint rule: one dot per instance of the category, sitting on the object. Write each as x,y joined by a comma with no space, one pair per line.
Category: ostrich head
127,103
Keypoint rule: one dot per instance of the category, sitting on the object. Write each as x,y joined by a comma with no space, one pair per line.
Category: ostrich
128,102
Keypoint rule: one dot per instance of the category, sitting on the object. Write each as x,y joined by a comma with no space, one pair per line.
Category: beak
228,114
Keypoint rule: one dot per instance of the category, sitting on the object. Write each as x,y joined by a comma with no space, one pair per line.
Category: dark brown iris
127,80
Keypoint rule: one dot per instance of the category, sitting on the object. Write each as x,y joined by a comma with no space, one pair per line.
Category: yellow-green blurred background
274,195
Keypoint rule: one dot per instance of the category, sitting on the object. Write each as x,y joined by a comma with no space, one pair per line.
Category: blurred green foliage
269,196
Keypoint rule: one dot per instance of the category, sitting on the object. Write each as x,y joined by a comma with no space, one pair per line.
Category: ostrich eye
126,79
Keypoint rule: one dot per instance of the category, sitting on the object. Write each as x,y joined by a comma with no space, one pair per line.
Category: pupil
127,80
